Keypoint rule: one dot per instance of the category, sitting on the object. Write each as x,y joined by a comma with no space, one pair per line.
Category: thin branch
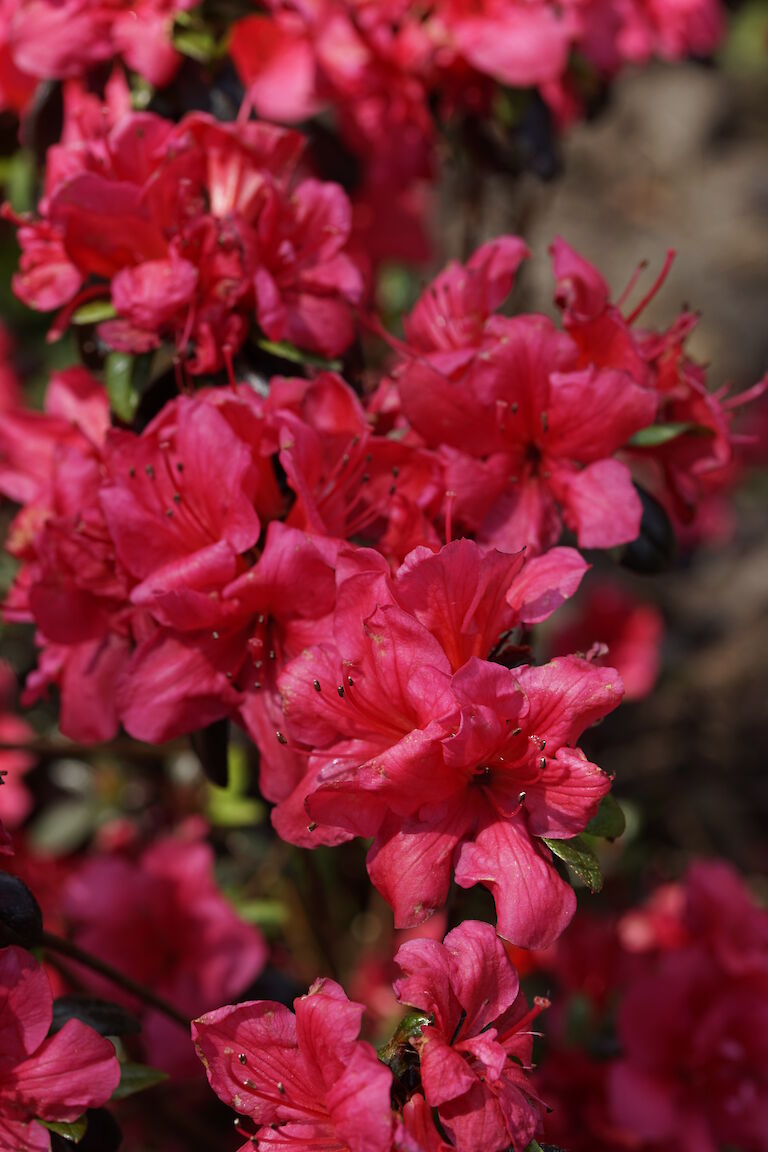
146,995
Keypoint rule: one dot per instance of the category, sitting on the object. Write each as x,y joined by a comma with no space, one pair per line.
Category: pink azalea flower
171,929
17,86
460,764
696,460
416,1131
694,1065
305,1081
55,1079
197,227
527,433
613,33
475,1054
56,40
519,44
685,975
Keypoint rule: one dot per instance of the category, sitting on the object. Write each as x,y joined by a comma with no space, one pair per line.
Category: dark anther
316,686
281,739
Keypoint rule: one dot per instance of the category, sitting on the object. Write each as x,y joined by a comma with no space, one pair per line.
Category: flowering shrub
294,536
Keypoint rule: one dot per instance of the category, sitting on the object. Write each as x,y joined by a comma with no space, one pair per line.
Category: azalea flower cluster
377,83
45,40
686,977
191,231
380,65
270,553
307,1081
370,60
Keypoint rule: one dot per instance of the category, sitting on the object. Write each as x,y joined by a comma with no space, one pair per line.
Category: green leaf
231,807
73,1132
94,312
136,1078
398,1053
296,355
658,434
609,821
197,43
580,858
269,915
123,396
17,175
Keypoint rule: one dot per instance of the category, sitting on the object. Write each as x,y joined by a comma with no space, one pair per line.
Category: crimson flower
475,1053
171,929
449,761
527,433
56,40
193,229
694,1066
694,455
305,1080
53,1079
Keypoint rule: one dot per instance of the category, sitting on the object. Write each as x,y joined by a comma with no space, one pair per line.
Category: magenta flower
56,1078
694,1067
197,228
171,929
527,431
475,1054
452,763
305,1081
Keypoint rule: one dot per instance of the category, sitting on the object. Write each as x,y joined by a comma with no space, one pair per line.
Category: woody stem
146,995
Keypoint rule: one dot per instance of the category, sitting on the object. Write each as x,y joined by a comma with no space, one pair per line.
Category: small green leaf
73,1132
123,396
296,355
197,43
580,858
269,915
17,175
230,806
658,434
398,1053
94,312
136,1078
609,821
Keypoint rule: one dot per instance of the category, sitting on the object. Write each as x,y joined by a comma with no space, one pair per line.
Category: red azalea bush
303,567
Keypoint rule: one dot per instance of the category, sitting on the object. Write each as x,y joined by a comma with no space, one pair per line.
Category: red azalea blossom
694,1066
526,431
690,458
54,40
53,1079
172,930
451,762
475,1053
685,975
193,229
305,1081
